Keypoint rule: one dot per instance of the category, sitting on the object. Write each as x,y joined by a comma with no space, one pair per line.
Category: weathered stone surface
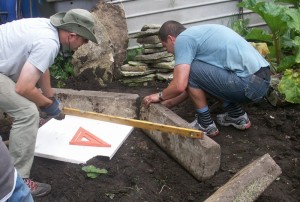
128,74
116,104
157,45
167,59
150,26
136,63
113,19
106,58
98,57
154,56
130,68
149,39
148,32
164,65
141,79
164,76
249,182
200,157
153,50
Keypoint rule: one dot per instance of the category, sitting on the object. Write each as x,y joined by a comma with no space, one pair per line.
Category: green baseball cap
79,21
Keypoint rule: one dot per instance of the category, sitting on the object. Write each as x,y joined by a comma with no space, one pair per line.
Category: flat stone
153,50
130,74
164,76
130,68
164,65
136,63
249,182
166,59
141,34
140,79
151,26
154,56
148,40
158,45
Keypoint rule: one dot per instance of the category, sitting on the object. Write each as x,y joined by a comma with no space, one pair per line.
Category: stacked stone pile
155,63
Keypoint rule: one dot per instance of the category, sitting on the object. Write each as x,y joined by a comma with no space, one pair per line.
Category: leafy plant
131,53
289,85
93,172
61,69
240,26
283,21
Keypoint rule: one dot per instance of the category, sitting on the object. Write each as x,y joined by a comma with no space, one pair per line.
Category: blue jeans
21,192
226,85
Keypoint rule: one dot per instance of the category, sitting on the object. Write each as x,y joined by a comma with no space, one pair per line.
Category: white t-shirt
34,40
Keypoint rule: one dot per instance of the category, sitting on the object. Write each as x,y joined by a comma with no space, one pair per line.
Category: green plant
283,21
289,85
240,26
131,53
61,69
93,172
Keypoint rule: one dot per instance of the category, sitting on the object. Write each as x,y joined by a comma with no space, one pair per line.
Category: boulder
108,56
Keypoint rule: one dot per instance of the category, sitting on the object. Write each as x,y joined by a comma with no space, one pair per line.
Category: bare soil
142,171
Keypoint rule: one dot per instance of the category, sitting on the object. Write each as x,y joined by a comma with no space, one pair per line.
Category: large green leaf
290,85
274,15
297,42
260,35
295,22
294,2
286,63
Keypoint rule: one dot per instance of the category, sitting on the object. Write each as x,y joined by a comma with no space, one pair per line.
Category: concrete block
200,157
249,182
116,104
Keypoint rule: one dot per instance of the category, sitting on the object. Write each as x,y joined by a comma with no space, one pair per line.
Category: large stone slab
200,157
249,182
116,104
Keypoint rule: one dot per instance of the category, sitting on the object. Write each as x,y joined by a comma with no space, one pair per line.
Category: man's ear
172,38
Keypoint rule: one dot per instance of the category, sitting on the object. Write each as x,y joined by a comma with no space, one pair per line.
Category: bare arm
176,100
45,84
177,86
26,85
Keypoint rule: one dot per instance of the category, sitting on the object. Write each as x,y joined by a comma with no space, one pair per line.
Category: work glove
53,111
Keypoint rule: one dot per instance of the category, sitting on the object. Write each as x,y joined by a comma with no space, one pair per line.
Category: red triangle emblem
84,138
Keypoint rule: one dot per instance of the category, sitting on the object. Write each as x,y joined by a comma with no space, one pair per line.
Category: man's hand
151,98
53,111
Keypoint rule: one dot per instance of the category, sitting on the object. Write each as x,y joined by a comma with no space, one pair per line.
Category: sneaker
210,130
37,189
241,122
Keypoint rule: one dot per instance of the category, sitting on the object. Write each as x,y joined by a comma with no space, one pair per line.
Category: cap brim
56,21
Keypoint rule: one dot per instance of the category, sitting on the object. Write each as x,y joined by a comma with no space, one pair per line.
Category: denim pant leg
24,129
220,83
226,85
21,192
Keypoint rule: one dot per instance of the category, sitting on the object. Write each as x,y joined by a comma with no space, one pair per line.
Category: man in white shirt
28,48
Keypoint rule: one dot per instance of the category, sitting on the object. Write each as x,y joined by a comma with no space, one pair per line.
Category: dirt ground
142,171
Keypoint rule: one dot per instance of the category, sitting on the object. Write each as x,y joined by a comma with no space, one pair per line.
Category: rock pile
155,63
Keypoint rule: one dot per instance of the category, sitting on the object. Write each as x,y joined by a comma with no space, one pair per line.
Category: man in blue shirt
213,59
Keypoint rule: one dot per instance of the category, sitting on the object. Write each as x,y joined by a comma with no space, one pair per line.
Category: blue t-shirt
220,46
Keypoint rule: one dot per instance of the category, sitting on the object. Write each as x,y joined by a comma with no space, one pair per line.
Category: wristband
160,96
